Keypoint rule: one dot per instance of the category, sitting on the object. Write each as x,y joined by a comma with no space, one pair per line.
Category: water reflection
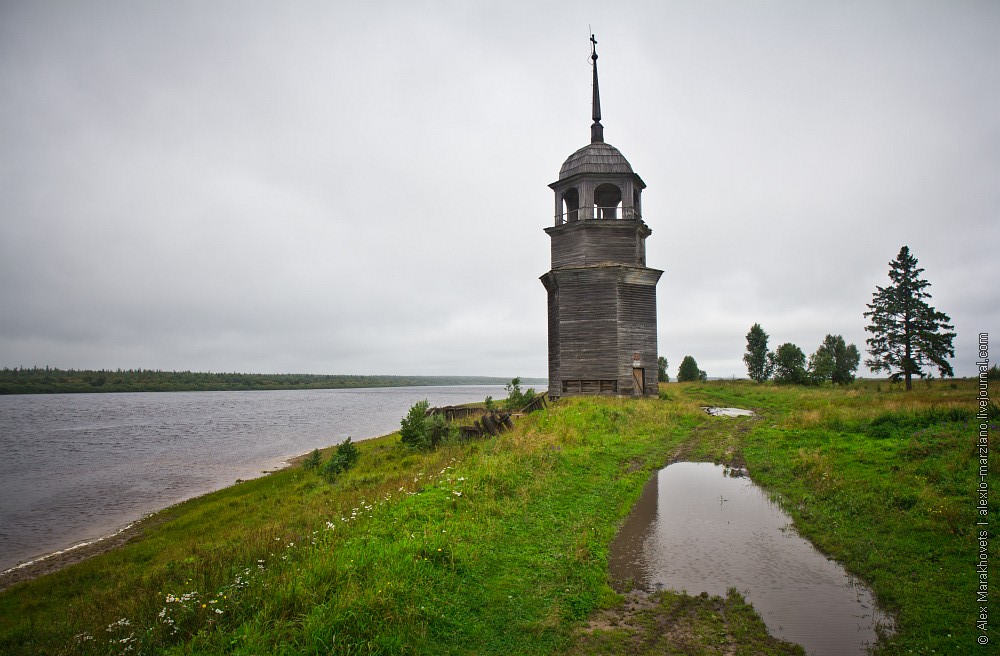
696,529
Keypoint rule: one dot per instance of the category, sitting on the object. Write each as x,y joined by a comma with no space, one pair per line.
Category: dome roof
598,157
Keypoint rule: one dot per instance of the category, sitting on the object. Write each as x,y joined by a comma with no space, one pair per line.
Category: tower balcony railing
601,214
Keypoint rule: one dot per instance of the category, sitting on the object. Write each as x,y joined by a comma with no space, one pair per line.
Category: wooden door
639,380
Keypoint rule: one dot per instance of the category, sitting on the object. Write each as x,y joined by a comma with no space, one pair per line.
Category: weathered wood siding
599,317
637,331
597,241
550,284
588,324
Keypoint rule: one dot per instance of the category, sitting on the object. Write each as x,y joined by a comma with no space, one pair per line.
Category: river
76,467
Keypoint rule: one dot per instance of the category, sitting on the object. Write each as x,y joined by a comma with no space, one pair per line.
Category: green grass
884,481
501,545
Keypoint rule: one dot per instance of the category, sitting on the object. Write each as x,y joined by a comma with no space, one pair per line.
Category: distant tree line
833,362
37,380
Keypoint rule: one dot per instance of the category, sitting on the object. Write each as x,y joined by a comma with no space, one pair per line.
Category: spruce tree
688,370
758,364
907,333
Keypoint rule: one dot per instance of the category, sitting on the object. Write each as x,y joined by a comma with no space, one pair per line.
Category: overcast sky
361,187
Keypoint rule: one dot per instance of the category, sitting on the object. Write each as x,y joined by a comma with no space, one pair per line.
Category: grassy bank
500,545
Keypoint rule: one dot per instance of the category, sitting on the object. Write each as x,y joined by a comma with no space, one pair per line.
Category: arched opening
607,201
571,204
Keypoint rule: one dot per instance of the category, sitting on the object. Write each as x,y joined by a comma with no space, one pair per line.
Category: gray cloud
337,188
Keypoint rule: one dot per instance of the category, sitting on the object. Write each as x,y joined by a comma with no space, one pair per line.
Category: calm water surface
76,467
696,529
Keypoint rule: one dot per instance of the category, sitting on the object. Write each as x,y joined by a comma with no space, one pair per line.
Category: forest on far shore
38,380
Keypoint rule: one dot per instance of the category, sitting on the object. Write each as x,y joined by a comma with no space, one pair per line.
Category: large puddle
700,527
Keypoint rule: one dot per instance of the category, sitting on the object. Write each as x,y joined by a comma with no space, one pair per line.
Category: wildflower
120,623
218,611
456,493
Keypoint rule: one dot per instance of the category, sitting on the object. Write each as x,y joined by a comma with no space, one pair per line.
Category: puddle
728,412
702,527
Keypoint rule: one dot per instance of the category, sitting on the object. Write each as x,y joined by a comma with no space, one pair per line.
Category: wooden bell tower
601,294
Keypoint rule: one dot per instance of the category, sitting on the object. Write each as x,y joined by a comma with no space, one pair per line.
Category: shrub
516,399
413,427
438,430
342,459
312,461
419,431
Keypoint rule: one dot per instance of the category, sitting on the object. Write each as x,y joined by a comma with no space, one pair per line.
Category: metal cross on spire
596,129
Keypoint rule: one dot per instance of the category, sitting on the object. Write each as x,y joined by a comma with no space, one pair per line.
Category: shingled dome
600,157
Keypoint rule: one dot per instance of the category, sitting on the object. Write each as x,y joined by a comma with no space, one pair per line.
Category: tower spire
596,129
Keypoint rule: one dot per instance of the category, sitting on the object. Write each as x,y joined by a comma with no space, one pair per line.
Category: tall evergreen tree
907,333
688,370
758,364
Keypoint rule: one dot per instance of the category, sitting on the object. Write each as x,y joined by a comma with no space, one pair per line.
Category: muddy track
646,621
